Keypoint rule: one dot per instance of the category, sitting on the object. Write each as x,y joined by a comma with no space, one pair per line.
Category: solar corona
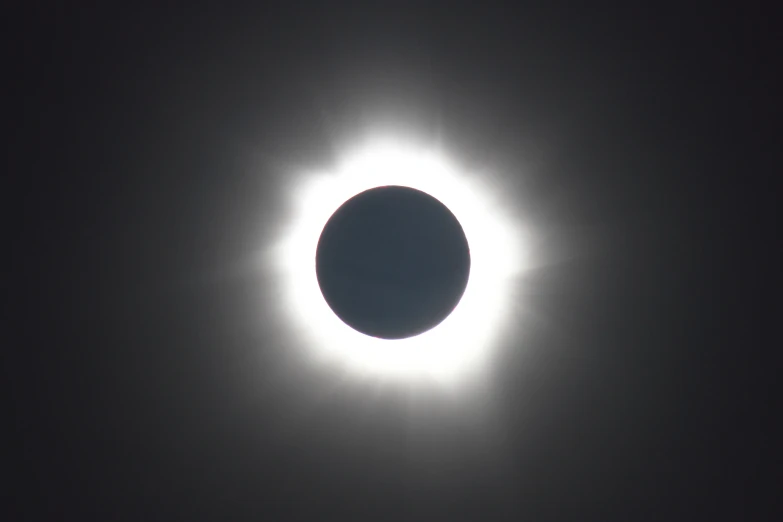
396,264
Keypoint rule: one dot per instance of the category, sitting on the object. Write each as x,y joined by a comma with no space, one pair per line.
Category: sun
459,344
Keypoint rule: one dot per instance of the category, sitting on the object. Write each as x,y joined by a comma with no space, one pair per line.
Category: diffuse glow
457,345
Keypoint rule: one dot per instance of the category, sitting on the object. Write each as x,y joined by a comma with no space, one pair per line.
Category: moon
392,262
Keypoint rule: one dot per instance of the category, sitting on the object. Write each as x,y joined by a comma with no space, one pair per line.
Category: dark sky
151,154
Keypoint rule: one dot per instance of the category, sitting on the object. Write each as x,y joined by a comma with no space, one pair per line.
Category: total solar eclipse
397,264
392,262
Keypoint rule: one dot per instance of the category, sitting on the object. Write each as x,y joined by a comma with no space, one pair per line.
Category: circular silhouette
392,262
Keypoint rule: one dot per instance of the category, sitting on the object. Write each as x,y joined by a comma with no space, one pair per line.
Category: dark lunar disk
392,262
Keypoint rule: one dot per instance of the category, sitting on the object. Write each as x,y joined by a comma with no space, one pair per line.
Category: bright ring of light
458,344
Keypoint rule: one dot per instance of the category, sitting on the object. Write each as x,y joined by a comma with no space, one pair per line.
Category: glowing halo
459,343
